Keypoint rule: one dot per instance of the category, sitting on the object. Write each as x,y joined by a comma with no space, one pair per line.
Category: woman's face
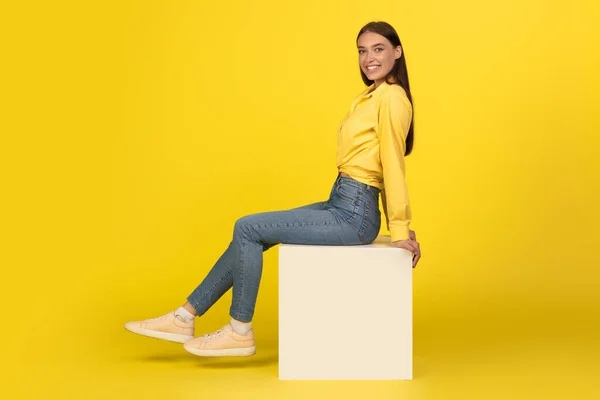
376,56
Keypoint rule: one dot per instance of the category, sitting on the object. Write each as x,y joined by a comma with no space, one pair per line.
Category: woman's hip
358,204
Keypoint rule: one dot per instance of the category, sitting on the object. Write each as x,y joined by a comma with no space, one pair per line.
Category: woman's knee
243,227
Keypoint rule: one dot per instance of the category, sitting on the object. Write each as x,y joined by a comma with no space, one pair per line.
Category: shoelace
159,318
213,335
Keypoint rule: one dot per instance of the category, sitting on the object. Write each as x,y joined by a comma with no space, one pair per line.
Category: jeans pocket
347,193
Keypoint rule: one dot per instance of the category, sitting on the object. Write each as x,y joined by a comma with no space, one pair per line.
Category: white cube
345,312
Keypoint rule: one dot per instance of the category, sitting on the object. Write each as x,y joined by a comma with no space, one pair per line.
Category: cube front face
345,312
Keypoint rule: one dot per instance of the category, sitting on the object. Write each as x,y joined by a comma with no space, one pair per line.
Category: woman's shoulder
394,92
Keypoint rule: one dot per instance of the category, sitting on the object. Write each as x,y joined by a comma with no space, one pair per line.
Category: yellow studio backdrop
135,133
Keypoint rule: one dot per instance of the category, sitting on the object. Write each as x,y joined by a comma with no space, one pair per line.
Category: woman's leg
243,260
176,326
350,217
220,278
252,233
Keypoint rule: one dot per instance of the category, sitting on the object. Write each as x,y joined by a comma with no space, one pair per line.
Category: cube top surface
382,241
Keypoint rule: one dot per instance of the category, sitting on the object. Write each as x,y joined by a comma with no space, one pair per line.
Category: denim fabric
350,216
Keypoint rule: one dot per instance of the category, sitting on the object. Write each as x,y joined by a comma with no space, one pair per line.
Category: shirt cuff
399,232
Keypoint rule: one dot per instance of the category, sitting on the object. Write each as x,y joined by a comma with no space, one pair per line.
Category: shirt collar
370,91
366,94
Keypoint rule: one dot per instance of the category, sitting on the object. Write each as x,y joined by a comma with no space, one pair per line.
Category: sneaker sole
240,352
171,337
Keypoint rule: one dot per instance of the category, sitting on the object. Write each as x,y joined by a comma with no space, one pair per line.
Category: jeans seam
197,302
241,269
295,225
363,225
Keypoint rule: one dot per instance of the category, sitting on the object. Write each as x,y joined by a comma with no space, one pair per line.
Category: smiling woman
373,140
383,69
377,56
382,58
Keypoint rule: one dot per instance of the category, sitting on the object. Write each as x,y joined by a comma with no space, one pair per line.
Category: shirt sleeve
395,115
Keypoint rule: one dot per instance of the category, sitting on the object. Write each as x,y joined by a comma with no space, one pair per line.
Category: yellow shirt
371,146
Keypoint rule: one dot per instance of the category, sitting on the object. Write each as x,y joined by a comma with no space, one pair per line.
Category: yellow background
135,133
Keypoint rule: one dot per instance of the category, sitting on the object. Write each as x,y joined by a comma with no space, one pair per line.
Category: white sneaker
168,327
225,342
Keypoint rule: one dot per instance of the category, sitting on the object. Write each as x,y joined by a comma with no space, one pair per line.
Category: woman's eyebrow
377,44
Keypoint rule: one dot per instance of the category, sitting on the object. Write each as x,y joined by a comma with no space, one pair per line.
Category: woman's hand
411,245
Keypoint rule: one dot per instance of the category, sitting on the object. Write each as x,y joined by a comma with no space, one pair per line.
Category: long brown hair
398,74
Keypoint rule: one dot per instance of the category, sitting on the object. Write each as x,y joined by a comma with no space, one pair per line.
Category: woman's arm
395,115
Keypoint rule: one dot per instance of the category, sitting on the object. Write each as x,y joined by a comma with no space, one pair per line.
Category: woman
373,140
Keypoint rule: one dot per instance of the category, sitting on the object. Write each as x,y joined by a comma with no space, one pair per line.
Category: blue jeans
350,216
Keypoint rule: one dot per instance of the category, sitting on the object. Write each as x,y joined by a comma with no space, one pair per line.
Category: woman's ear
398,52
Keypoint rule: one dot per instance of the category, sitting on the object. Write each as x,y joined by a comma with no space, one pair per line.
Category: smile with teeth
373,67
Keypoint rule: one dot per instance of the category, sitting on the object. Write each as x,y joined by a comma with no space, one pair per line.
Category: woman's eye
377,49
